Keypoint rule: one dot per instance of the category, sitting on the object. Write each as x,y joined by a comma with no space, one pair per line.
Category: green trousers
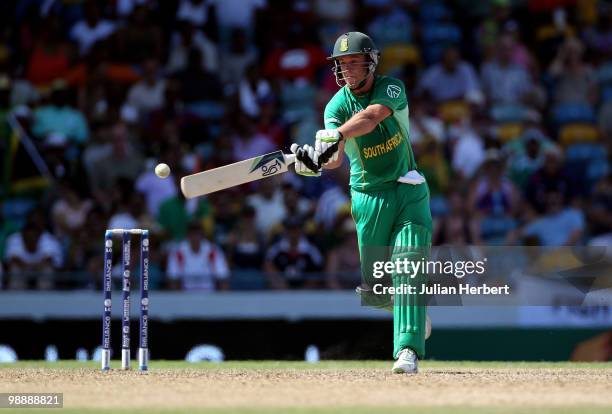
396,223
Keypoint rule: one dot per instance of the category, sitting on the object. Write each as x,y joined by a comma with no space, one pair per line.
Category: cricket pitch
326,387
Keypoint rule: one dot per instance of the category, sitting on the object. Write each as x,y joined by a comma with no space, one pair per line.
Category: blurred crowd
510,120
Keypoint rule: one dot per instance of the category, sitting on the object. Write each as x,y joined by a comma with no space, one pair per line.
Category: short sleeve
391,93
334,115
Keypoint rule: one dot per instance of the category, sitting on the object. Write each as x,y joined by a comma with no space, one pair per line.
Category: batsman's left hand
306,160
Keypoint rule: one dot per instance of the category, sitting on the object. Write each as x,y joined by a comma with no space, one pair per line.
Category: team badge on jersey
394,91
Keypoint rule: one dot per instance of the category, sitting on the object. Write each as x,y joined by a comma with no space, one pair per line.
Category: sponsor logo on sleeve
394,91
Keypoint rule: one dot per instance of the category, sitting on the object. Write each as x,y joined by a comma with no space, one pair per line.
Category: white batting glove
306,160
324,140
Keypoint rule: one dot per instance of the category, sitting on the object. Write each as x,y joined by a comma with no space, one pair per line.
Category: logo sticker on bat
268,164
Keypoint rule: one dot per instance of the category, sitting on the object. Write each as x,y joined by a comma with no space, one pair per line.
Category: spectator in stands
291,262
575,81
493,24
59,116
32,255
599,37
196,83
196,263
268,204
102,66
424,123
237,58
247,142
551,177
245,245
559,226
433,164
69,212
467,146
333,199
391,25
54,151
92,28
123,160
129,209
526,155
598,213
163,127
156,190
343,268
268,121
334,11
455,228
195,11
148,94
296,205
85,253
189,37
451,79
226,207
140,38
520,53
295,59
175,213
237,14
51,55
252,90
493,199
503,81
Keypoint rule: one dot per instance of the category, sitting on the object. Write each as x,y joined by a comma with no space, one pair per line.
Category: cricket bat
238,173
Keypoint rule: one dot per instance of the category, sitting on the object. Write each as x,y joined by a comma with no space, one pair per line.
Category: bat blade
238,173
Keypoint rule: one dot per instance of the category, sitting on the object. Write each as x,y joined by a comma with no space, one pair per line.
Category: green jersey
377,159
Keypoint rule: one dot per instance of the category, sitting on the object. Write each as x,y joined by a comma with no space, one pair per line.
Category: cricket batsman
368,120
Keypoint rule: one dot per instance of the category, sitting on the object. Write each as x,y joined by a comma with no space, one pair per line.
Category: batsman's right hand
327,145
306,160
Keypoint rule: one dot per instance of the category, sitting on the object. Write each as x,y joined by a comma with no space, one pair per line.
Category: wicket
143,349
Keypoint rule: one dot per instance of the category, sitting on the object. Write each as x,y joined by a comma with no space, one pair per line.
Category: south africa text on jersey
385,147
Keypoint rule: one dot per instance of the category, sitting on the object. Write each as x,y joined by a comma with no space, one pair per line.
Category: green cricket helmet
354,43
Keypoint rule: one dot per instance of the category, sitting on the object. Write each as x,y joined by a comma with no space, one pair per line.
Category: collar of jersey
367,94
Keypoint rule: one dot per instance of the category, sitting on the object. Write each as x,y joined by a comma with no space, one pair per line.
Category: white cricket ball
162,170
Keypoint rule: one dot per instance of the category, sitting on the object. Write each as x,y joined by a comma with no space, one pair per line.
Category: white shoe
407,362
